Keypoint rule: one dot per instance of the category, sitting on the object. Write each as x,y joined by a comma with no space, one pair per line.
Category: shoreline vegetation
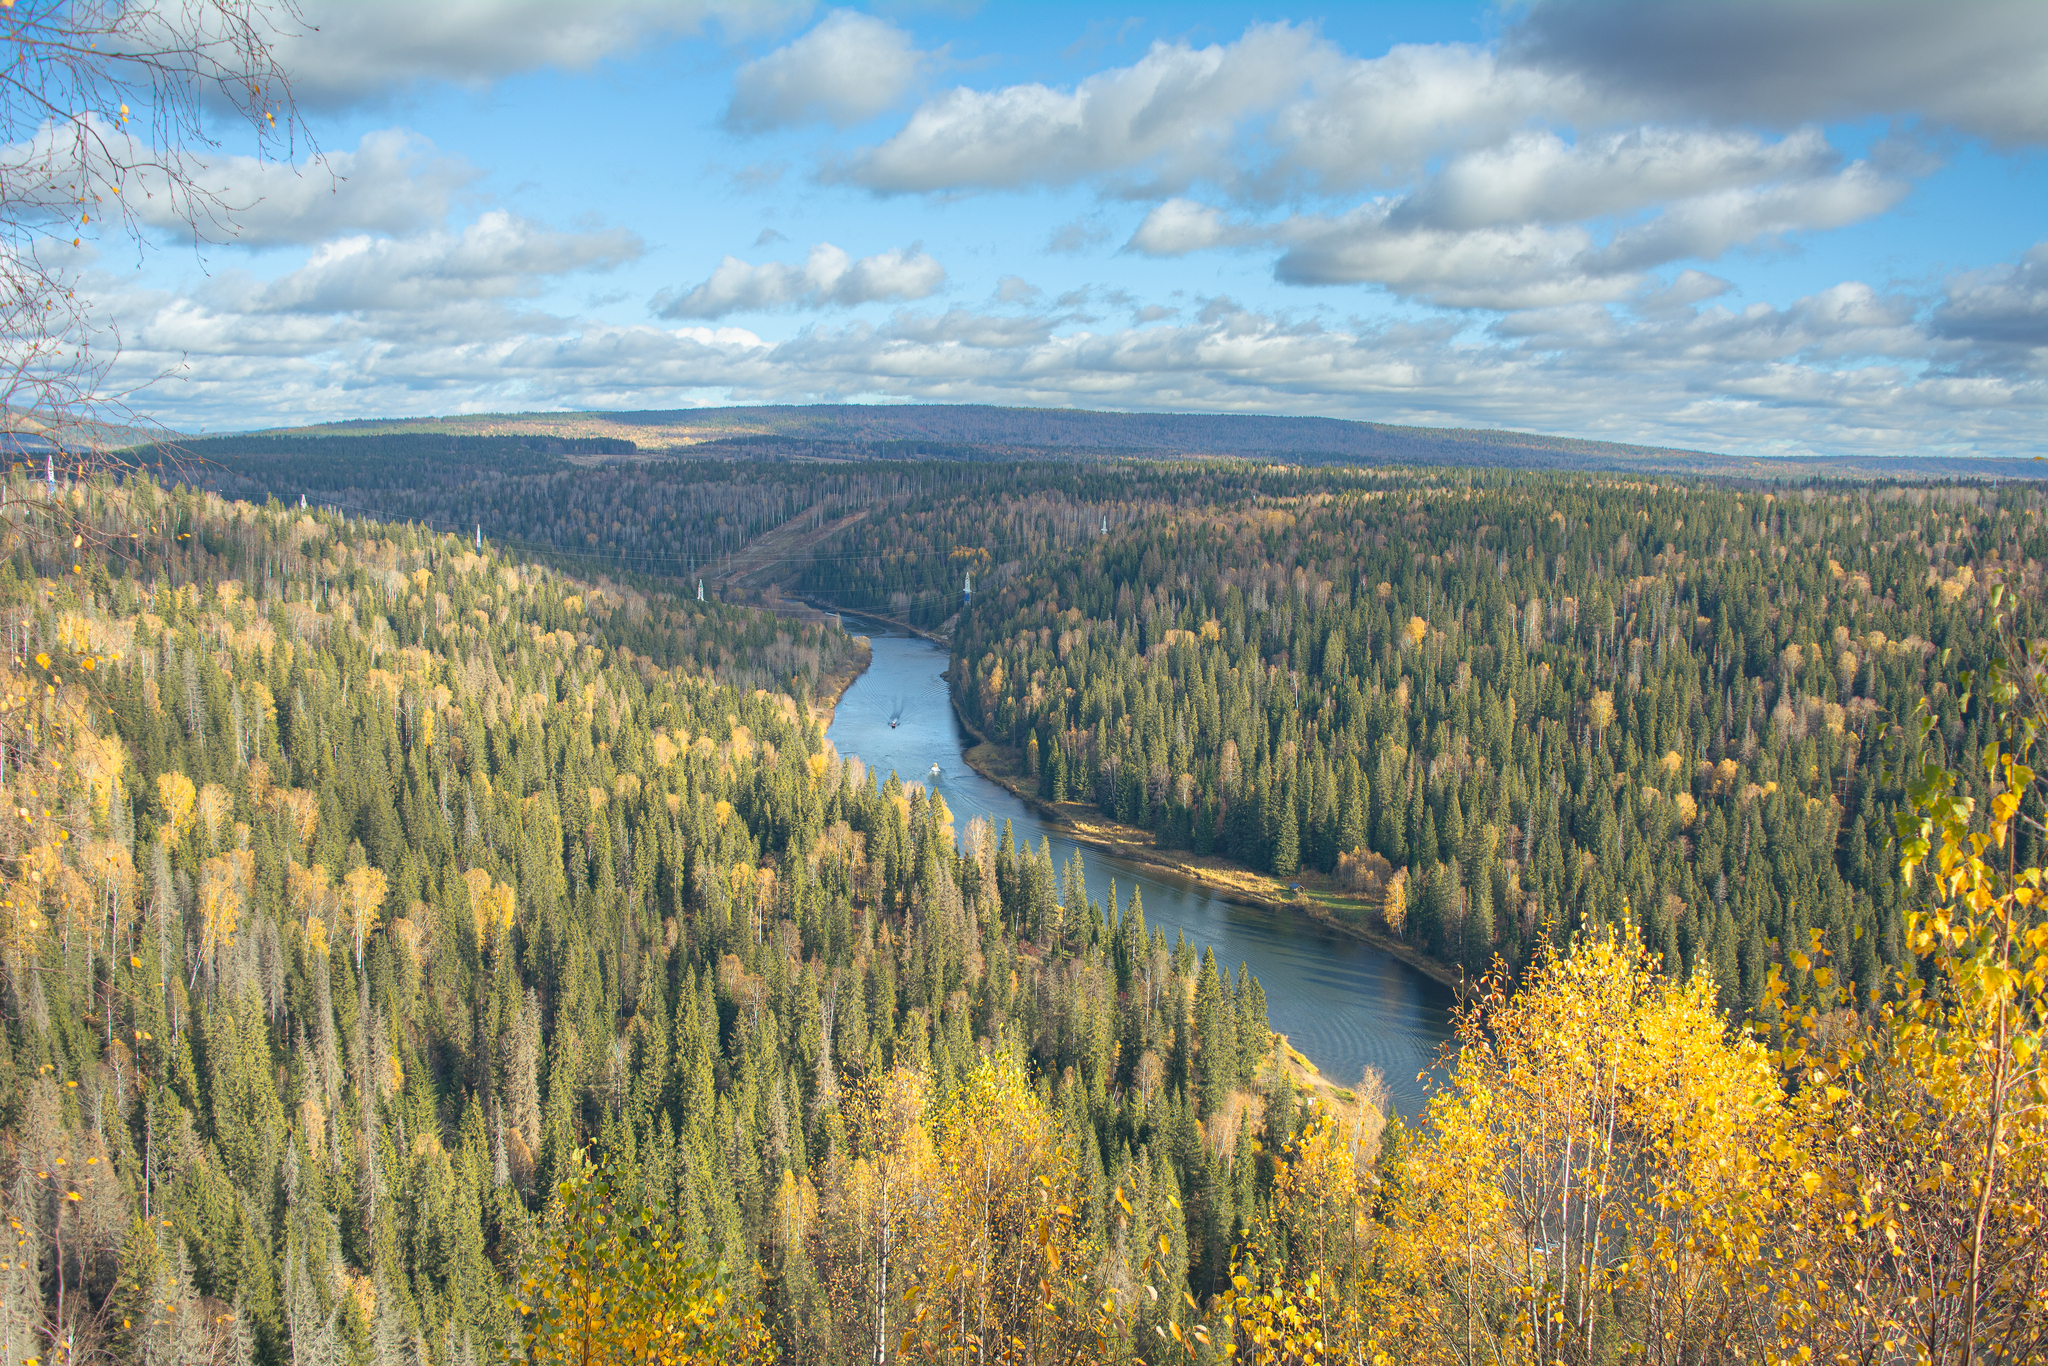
833,685
1318,899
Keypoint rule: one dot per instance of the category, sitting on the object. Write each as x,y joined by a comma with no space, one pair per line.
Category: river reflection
1343,1003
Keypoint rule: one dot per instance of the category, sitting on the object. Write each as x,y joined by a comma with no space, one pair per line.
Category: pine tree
1287,845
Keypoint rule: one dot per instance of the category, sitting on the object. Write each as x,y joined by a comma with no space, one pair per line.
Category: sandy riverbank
1233,882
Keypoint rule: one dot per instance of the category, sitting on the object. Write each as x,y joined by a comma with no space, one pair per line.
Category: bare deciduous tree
111,112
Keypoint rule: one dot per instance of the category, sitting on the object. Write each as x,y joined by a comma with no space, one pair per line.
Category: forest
1515,708
362,887
426,952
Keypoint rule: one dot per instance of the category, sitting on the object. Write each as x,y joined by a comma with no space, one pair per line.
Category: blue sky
1769,229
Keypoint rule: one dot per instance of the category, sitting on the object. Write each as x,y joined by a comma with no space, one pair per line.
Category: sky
1776,229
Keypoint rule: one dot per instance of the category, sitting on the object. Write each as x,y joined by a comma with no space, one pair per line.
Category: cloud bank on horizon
1747,227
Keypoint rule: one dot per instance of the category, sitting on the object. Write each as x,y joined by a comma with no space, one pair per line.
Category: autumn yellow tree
1305,1291
612,1284
996,1245
867,1191
1922,1223
1598,1178
362,896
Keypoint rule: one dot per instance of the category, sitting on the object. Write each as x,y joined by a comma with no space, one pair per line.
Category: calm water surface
1343,1003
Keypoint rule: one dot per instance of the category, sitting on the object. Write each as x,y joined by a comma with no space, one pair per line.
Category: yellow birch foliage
312,897
1923,1218
996,1239
176,795
212,810
1319,1301
492,907
362,896
223,881
611,1284
1598,1177
867,1192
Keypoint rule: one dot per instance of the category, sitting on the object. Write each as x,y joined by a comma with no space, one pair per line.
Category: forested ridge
1530,705
1485,702
418,955
358,881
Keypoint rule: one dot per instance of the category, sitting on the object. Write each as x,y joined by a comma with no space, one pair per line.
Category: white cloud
1535,176
394,182
1589,146
1526,265
1846,369
1377,121
1152,127
827,277
345,52
848,69
1515,228
1704,227
1180,226
498,257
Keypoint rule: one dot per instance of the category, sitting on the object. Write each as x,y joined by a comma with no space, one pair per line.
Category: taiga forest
402,937
661,878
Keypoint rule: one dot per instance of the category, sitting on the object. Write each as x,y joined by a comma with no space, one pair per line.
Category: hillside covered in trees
415,953
358,881
975,431
1482,702
1518,707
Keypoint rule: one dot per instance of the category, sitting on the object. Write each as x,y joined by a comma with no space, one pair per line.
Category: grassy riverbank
1319,898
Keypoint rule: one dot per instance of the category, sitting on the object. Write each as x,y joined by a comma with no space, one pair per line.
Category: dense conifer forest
360,881
1530,705
415,953
1486,702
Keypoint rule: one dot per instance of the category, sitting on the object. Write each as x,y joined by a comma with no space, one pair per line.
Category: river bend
1345,1004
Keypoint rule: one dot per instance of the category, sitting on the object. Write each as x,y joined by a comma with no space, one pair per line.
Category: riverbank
1233,882
820,605
825,697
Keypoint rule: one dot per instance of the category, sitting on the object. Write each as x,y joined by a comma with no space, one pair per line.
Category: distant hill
840,431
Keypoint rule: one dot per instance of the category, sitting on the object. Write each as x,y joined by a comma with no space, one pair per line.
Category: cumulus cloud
1977,66
1180,226
1279,112
498,257
345,52
394,182
1536,176
2005,308
1705,226
1521,238
1847,369
1590,145
828,277
1154,126
1525,265
848,69
1377,121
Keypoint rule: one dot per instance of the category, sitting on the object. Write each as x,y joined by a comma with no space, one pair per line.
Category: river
1343,1003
